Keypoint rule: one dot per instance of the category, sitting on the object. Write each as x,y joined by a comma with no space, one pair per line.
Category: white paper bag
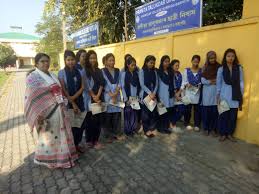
161,109
76,119
186,100
223,107
134,103
118,104
97,108
149,103
193,90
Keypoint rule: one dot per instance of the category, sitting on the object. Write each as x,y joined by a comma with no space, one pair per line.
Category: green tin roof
18,36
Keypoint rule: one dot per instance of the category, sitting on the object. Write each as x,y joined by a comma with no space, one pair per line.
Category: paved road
186,163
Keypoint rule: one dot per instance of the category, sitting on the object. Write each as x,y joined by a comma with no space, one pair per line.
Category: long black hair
126,57
230,50
39,56
196,57
128,62
162,61
78,55
147,59
69,53
88,65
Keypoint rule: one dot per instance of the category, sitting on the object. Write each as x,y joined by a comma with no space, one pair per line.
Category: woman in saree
45,111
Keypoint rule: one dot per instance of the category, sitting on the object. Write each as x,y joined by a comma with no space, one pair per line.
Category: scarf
167,79
193,80
234,81
38,98
74,81
97,79
209,70
178,80
131,79
149,79
115,79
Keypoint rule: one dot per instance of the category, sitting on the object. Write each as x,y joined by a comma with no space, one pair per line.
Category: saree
43,98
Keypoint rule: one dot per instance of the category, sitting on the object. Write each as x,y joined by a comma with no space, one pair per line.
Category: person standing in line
112,97
230,88
148,79
73,86
130,89
209,93
45,110
191,85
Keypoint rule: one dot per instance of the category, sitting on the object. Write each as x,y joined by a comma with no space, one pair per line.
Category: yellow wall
241,35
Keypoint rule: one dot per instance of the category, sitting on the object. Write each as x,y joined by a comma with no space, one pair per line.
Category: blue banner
163,16
86,36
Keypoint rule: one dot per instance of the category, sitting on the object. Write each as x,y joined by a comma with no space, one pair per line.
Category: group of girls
84,83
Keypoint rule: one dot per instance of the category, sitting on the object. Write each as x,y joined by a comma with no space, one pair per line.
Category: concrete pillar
250,9
17,63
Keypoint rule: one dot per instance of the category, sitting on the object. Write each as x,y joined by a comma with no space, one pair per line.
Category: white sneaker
197,129
177,130
189,128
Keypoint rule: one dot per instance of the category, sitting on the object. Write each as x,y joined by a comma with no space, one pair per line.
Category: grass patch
3,77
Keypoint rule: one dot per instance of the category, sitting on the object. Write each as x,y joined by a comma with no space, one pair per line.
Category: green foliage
7,55
110,14
51,42
221,11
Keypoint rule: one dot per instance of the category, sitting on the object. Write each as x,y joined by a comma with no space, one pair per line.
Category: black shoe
167,131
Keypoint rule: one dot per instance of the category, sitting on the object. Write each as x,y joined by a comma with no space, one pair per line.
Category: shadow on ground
186,163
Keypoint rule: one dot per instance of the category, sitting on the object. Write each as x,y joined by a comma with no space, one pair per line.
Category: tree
221,11
7,55
50,30
110,14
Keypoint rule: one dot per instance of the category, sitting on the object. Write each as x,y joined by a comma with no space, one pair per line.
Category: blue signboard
163,16
86,36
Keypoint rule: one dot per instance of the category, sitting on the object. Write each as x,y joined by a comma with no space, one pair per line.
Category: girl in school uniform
179,107
191,85
126,57
148,79
165,94
73,86
130,88
230,88
81,59
112,87
209,90
93,93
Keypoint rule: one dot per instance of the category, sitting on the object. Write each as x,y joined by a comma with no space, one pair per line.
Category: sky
24,13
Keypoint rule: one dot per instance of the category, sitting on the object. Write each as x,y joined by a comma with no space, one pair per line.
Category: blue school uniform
113,113
73,80
195,80
130,87
93,81
111,83
228,119
79,68
149,84
165,95
209,105
179,107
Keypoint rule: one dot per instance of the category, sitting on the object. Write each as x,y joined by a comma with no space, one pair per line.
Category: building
24,46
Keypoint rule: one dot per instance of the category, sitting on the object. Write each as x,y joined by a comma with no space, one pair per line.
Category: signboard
86,36
163,16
